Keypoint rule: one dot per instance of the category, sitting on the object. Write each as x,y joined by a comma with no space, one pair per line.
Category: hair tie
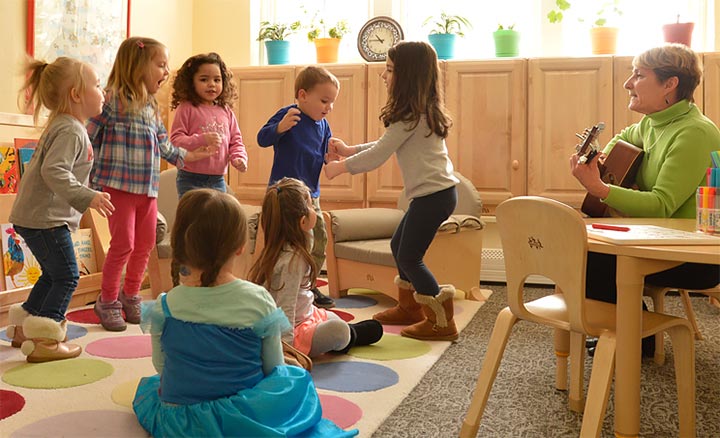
141,44
278,189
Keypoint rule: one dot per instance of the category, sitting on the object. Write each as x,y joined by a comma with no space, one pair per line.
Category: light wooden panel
385,183
711,90
347,122
262,91
488,142
565,96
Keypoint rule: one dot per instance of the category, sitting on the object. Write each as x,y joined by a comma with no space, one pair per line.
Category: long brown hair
285,204
184,87
126,80
210,226
49,85
415,89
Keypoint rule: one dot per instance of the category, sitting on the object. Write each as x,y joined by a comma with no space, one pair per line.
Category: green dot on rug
391,347
58,374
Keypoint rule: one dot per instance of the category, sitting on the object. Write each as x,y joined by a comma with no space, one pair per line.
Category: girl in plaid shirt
129,139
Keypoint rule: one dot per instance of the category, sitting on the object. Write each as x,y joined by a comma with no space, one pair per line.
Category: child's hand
337,146
335,168
239,164
212,139
201,153
101,203
292,117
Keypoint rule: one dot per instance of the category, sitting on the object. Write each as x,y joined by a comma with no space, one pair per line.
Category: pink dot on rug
343,315
123,347
10,403
340,411
83,316
78,424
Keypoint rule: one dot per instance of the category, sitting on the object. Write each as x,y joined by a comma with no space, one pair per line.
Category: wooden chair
545,237
657,293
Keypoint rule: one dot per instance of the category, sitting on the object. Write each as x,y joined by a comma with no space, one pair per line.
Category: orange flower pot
604,40
327,49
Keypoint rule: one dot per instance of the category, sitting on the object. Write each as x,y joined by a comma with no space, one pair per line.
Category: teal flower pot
507,43
278,52
444,44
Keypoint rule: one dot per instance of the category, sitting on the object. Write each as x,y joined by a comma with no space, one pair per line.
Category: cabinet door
711,90
622,117
347,121
565,96
262,91
385,183
487,143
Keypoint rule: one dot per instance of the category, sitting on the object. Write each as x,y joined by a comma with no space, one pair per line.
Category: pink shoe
131,306
110,315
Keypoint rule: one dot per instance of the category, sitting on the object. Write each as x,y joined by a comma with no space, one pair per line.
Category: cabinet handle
515,164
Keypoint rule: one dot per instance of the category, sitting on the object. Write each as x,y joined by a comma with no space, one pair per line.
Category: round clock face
377,36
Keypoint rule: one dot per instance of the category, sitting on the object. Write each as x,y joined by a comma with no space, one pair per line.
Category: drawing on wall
19,265
90,30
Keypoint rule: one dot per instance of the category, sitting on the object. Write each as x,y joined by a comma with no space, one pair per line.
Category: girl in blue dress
216,342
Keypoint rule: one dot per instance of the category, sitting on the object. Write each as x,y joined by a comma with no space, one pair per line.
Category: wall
12,34
226,27
168,21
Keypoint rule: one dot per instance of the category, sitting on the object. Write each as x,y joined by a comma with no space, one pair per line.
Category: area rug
92,395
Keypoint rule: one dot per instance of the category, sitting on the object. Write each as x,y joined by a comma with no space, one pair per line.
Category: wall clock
377,36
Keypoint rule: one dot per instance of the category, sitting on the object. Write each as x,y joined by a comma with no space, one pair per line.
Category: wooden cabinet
565,96
488,103
711,90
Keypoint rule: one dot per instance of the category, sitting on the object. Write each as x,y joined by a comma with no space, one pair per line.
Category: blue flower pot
444,44
278,52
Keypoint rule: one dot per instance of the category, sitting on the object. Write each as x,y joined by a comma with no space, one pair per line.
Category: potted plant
507,41
443,32
274,35
678,32
326,38
603,37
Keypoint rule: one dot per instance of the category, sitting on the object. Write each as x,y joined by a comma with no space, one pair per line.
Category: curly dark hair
184,90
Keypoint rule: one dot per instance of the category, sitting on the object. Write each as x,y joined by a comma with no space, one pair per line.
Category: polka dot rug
92,394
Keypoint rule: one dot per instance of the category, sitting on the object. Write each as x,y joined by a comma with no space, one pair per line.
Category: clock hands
380,40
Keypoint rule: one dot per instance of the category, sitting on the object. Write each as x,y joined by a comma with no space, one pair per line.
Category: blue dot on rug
73,332
105,423
355,302
346,376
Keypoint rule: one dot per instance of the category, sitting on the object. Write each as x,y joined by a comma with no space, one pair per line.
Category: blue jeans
187,181
53,249
414,235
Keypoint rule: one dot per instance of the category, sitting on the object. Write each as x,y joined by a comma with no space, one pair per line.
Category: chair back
469,201
168,196
544,237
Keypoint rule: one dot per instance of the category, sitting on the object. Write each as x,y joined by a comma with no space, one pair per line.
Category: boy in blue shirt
299,134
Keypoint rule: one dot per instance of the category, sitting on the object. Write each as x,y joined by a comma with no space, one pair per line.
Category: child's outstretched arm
278,124
101,203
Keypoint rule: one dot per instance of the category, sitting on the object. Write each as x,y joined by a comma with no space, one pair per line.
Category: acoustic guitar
619,167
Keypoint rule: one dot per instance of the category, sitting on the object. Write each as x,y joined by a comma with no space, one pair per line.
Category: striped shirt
128,147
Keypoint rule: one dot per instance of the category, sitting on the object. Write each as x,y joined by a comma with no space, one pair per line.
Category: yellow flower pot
327,49
604,40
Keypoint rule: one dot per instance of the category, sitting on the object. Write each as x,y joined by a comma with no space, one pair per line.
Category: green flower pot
278,52
507,43
444,44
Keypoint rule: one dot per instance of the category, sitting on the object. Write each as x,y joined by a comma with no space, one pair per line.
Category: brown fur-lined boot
406,312
44,341
439,324
14,331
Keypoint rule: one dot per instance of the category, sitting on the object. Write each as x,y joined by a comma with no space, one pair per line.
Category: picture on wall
89,30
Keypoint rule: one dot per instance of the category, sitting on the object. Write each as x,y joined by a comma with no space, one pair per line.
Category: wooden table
634,262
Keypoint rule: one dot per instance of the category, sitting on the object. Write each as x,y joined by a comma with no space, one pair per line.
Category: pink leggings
132,237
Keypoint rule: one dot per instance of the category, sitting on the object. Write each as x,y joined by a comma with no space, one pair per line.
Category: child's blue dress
212,384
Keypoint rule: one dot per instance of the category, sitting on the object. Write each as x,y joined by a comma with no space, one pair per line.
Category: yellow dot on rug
391,347
58,374
124,393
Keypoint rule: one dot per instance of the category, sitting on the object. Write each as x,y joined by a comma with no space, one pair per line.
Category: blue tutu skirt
283,404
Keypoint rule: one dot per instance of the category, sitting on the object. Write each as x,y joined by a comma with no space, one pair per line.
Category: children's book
19,265
9,170
650,235
84,251
25,148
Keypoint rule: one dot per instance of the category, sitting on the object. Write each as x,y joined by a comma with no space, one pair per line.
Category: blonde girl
52,197
129,139
286,268
417,126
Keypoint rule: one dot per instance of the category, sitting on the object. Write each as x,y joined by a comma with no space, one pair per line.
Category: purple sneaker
131,306
110,315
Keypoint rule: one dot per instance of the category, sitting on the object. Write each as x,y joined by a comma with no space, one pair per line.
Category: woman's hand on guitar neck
588,175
